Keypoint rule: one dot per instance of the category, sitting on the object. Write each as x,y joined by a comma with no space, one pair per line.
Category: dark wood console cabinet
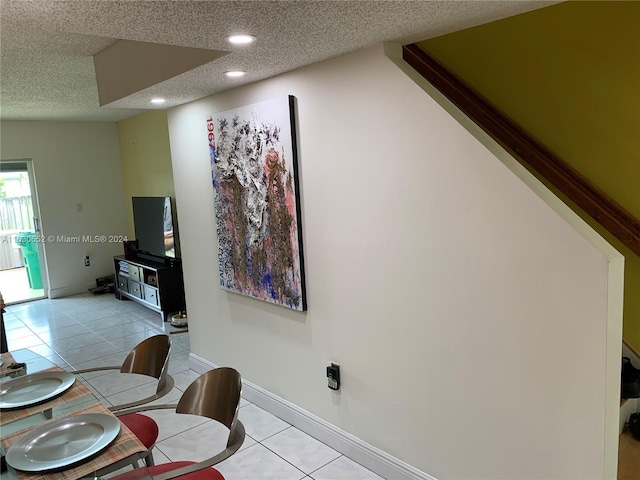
157,285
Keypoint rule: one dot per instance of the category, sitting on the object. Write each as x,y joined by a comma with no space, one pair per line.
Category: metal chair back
214,394
150,357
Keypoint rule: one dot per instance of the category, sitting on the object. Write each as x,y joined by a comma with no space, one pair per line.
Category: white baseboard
379,462
69,291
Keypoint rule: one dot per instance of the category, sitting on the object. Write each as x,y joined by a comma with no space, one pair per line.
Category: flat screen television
154,226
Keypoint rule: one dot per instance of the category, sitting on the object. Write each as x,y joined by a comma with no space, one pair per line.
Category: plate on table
63,442
34,388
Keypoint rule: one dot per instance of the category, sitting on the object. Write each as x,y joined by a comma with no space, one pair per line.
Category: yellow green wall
146,158
570,75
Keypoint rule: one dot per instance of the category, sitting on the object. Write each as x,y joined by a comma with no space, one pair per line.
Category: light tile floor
85,331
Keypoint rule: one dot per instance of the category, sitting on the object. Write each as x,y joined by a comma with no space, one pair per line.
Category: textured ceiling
46,46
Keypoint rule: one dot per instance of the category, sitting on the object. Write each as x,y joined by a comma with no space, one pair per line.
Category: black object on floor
634,425
630,379
105,282
99,290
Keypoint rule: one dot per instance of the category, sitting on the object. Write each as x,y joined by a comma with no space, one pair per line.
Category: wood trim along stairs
631,348
526,149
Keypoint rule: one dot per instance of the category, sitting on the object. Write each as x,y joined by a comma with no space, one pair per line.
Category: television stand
153,282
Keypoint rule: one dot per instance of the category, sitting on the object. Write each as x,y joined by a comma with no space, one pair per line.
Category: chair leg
148,459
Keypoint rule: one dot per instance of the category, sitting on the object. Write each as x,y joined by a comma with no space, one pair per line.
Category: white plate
34,388
63,442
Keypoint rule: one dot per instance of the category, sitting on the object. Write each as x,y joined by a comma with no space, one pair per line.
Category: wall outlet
333,376
87,262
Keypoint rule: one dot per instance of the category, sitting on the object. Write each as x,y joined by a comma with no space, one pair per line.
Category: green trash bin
29,247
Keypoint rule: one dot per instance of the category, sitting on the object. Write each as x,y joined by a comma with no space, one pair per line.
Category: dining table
53,427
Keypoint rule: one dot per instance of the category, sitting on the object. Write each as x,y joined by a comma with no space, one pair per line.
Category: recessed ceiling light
157,100
234,73
241,39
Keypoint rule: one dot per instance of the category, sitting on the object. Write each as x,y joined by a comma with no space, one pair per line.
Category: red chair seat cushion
143,427
204,474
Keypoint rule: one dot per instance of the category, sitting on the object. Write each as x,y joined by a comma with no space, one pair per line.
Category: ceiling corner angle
128,67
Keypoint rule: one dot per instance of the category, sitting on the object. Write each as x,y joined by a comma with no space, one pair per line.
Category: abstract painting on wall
254,169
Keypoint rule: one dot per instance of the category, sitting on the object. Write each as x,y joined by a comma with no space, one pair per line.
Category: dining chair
215,395
150,357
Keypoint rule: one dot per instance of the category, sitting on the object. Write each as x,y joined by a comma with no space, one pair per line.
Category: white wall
469,319
74,163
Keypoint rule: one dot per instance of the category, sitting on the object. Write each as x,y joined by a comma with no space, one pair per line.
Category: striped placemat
125,445
77,390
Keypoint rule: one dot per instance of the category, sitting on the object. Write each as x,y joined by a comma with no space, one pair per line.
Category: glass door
22,273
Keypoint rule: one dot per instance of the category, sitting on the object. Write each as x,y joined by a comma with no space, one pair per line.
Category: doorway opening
22,276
